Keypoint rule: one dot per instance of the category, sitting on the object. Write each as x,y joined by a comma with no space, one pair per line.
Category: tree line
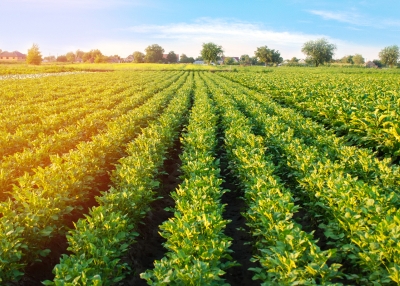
318,52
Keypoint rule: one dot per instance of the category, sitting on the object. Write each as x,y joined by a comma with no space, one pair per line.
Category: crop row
62,142
198,249
363,108
33,118
42,201
99,241
359,219
285,253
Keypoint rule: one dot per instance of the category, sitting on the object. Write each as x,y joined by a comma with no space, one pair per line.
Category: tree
347,60
138,57
358,59
62,59
92,55
228,61
245,60
154,54
50,58
172,57
70,57
211,52
267,56
390,55
185,59
79,54
378,63
34,57
319,51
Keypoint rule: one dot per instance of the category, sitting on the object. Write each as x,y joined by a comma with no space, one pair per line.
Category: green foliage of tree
347,60
185,59
79,54
268,56
378,63
172,57
138,57
390,55
199,58
319,51
93,56
245,60
34,57
228,61
62,59
211,52
71,57
358,59
154,54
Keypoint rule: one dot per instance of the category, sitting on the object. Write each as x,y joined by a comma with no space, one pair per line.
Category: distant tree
172,57
358,59
92,55
211,52
294,60
138,57
70,57
154,54
228,61
378,63
79,54
50,58
199,58
185,59
62,59
268,56
34,57
319,51
100,58
347,60
245,60
390,55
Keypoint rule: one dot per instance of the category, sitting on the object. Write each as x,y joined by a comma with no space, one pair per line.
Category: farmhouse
13,56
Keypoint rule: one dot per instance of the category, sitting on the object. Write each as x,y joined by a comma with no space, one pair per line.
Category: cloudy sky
124,26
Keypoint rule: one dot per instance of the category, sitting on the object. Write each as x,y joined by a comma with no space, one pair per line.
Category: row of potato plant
41,202
359,162
99,242
360,220
287,255
45,97
31,134
67,139
198,249
363,108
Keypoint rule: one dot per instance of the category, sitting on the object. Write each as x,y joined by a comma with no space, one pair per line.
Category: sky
124,26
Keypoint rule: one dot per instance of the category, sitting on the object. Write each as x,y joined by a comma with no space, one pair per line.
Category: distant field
181,176
7,69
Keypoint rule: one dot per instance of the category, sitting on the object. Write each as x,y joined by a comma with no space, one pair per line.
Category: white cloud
236,38
355,18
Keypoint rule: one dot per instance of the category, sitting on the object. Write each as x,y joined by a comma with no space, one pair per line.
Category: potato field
182,177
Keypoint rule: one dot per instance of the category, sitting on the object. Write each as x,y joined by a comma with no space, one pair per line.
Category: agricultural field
190,176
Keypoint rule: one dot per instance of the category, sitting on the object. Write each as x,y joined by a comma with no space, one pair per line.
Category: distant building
235,59
198,62
12,57
128,59
370,64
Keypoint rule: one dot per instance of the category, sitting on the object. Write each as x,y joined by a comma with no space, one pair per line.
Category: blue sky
124,26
